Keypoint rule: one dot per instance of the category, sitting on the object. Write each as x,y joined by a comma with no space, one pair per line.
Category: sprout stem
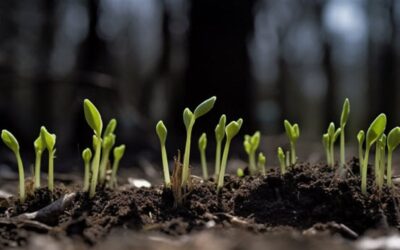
217,158
252,161
377,161
293,153
21,177
389,169
103,164
287,159
167,178
360,156
364,172
204,164
95,168
342,150
38,160
186,157
114,173
223,165
86,180
51,170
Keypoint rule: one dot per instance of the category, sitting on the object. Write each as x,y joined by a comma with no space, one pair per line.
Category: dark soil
309,198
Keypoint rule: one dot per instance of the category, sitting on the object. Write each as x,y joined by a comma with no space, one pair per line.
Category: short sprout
118,154
162,132
282,160
261,161
202,149
39,148
251,144
49,140
219,136
86,156
293,133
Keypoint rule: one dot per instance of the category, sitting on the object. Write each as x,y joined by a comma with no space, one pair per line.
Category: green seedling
332,137
110,128
360,139
118,154
202,149
261,161
231,131
251,144
219,136
374,132
39,147
281,158
49,141
162,132
240,172
189,119
93,118
393,141
293,133
108,144
343,121
381,163
325,142
86,156
11,142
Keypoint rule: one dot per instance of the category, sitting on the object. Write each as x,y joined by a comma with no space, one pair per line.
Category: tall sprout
393,141
39,148
202,149
343,121
86,156
162,132
49,140
293,133
360,139
219,136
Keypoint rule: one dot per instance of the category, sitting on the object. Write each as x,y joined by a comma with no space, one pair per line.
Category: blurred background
145,60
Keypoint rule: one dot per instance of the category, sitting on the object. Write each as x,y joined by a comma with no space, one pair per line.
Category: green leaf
187,117
255,140
203,142
205,107
48,139
38,144
233,128
109,141
281,154
376,129
220,128
393,140
288,129
345,112
331,131
93,117
261,159
111,126
162,132
119,152
86,155
247,146
361,137
296,131
10,140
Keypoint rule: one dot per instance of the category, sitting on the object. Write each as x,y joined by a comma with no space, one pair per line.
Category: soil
308,206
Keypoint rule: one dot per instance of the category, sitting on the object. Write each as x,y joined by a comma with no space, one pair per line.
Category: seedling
325,142
261,161
329,140
343,121
293,133
108,144
161,131
360,139
374,132
49,141
39,147
202,149
281,158
110,128
251,144
86,156
240,173
189,119
11,142
93,118
381,163
393,141
231,131
219,136
118,154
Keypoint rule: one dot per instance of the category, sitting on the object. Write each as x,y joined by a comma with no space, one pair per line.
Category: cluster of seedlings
181,172
95,167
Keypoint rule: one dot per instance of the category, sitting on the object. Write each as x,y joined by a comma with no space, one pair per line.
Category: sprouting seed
86,156
293,133
49,141
219,136
118,154
282,161
162,132
39,148
250,145
202,149
261,161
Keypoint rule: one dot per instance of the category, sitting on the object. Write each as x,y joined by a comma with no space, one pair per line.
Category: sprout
39,147
189,119
380,164
360,139
49,141
93,118
281,158
374,132
293,133
325,142
86,156
251,144
11,142
393,141
161,131
202,149
118,153
329,140
108,144
219,136
343,121
111,126
231,131
240,173
261,163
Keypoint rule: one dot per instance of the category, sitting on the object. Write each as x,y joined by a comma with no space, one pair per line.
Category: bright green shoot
261,161
250,145
325,142
111,126
39,147
189,119
360,139
393,141
343,121
293,133
202,149
118,154
240,172
219,136
282,160
108,144
381,163
162,132
49,141
374,132
93,118
11,142
231,130
86,156
332,137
